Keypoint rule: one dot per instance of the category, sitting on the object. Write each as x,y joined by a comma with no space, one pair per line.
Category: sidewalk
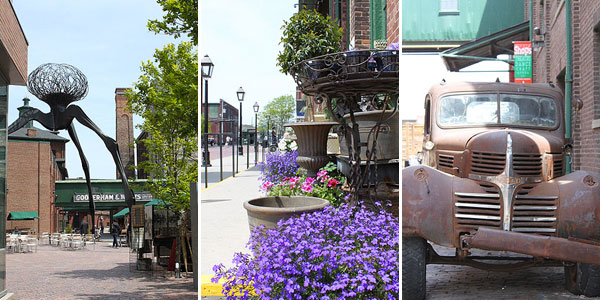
224,222
97,272
214,170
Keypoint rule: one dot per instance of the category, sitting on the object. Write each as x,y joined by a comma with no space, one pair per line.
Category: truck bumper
534,245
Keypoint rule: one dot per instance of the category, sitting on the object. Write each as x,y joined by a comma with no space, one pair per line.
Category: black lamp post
207,69
255,107
240,95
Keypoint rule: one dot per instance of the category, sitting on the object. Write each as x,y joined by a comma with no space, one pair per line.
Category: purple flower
343,253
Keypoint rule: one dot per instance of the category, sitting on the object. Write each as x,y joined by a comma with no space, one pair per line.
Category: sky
241,38
426,69
107,40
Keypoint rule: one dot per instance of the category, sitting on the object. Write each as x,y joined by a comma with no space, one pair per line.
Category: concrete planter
269,210
312,144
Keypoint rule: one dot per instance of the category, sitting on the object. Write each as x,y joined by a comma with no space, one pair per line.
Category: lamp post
207,69
240,95
255,107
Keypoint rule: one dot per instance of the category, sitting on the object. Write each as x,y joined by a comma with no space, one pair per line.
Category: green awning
23,215
122,213
485,48
155,202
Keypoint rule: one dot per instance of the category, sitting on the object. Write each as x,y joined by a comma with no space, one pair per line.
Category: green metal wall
423,22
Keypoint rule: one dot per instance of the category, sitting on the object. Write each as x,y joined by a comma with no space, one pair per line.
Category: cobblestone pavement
97,272
462,282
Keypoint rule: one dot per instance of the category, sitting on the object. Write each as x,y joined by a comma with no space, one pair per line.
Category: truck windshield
482,109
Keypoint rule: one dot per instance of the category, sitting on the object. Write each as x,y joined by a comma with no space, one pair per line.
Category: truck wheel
583,279
413,268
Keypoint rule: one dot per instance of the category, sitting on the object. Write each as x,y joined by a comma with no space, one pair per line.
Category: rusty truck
494,177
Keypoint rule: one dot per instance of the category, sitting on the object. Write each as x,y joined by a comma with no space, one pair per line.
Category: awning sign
111,197
522,57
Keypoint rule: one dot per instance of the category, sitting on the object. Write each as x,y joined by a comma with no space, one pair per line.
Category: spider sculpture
58,85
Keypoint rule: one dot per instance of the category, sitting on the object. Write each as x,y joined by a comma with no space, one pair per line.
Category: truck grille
527,164
478,209
446,161
534,214
487,163
558,166
530,214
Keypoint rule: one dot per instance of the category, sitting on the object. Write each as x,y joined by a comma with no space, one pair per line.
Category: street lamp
240,95
207,70
255,107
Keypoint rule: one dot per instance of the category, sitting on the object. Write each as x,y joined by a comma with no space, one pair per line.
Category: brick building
550,63
218,111
124,133
35,160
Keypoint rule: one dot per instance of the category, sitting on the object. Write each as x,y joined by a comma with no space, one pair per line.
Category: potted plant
306,35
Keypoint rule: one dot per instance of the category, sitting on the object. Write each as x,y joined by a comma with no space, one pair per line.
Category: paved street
464,283
99,272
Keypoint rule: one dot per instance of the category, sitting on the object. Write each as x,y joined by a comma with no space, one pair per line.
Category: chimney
22,110
124,134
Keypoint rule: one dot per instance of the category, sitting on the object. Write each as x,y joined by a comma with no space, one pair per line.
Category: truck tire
583,279
413,268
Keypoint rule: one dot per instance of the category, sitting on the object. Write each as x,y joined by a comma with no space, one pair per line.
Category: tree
166,96
181,18
277,112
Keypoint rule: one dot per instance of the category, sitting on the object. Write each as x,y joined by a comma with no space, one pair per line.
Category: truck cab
494,178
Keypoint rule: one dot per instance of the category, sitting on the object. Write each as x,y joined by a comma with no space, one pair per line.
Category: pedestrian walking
115,229
83,227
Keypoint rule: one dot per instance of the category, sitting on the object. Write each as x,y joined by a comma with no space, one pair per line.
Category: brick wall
359,24
29,183
124,134
551,61
14,42
393,25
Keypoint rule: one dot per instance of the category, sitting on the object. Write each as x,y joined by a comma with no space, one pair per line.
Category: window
448,5
213,111
378,24
482,109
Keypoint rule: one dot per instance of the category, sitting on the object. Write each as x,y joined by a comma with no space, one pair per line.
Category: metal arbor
352,82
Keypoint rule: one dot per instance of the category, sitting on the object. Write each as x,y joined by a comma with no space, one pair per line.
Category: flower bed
336,253
324,186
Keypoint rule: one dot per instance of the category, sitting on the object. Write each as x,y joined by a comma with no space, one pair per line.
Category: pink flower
267,185
325,178
321,174
332,183
307,187
309,180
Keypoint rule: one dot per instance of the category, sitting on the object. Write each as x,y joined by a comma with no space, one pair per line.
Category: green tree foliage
166,97
307,34
277,112
181,18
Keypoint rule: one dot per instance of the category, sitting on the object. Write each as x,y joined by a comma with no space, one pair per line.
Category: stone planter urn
269,210
388,142
312,144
